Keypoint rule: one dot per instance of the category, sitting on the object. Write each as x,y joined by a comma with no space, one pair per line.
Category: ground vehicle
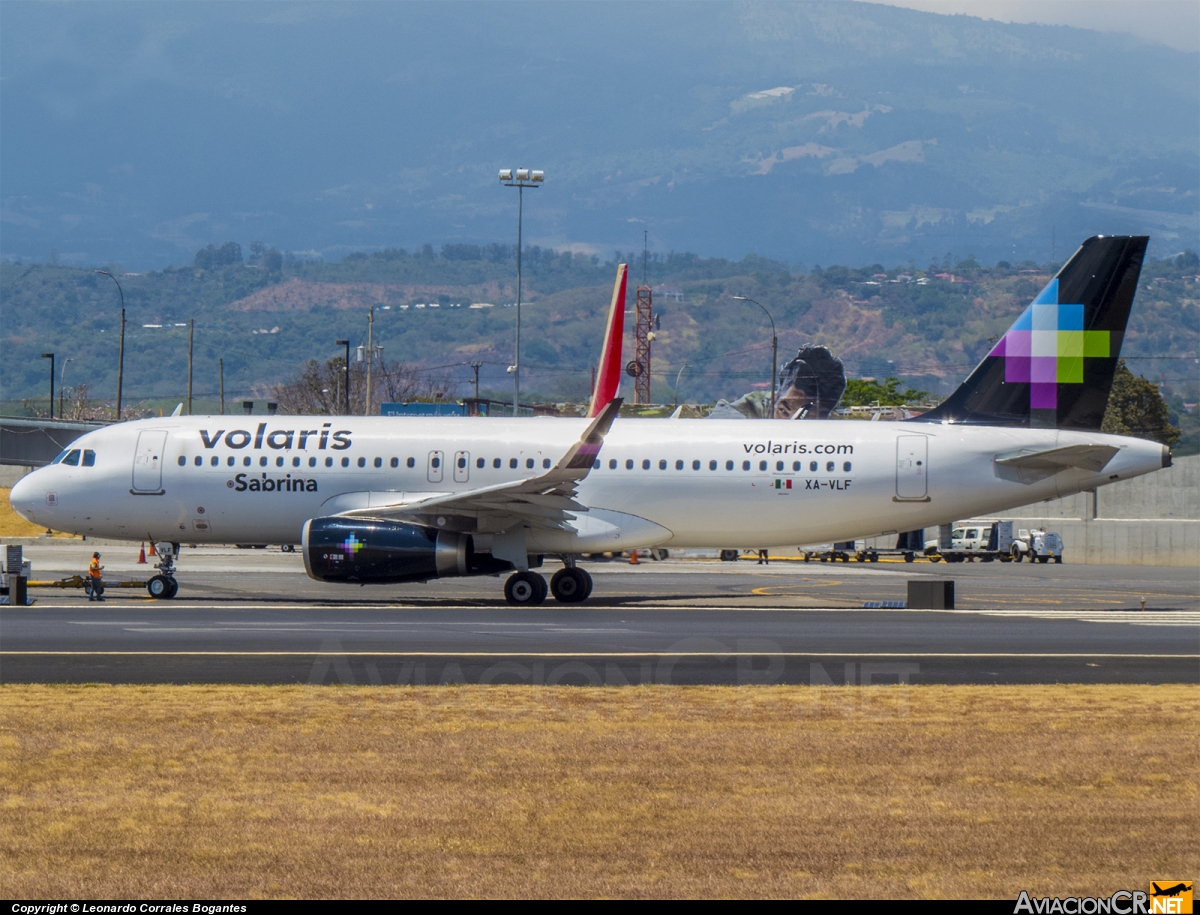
1040,545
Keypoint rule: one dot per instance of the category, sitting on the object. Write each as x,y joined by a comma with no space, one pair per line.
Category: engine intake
388,552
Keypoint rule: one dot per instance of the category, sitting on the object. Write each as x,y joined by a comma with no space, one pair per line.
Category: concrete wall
9,474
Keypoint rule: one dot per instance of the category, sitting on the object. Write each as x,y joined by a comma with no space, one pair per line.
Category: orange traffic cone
142,554
633,560
153,552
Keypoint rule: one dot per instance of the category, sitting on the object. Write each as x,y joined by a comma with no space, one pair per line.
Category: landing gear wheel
908,557
160,587
1058,560
571,586
1043,559
525,589
172,589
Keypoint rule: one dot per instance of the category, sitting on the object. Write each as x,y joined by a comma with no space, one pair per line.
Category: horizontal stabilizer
1084,457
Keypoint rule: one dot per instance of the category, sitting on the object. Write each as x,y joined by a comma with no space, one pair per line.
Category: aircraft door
462,466
912,468
148,462
434,470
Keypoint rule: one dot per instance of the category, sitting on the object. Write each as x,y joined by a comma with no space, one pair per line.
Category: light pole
520,179
677,377
62,385
774,349
346,343
50,356
121,351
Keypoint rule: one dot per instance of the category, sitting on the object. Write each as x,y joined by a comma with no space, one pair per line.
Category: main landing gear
163,586
569,585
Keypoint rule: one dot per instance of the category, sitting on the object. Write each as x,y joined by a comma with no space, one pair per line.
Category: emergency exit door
434,468
462,466
148,462
912,467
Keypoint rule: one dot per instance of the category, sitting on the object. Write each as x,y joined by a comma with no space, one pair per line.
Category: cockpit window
59,459
89,458
72,457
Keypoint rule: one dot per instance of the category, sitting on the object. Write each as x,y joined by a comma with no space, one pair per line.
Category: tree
320,388
1136,408
861,392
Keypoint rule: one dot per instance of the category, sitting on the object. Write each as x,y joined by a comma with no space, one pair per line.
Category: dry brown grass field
875,792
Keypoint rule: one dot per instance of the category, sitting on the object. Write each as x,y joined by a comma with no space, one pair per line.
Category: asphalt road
252,617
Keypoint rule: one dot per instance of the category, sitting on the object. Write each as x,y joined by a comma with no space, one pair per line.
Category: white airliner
377,500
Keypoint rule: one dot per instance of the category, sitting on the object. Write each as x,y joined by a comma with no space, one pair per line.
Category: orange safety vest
94,568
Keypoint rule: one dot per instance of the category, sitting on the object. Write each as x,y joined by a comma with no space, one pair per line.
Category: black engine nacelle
389,552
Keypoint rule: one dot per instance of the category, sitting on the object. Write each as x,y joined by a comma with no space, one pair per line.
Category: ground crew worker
94,570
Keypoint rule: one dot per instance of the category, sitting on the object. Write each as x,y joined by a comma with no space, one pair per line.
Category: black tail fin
1054,368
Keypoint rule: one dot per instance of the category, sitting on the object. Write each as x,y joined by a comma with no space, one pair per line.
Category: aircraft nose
22,496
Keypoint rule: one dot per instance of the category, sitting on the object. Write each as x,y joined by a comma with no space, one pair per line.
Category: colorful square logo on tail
1047,347
1170,897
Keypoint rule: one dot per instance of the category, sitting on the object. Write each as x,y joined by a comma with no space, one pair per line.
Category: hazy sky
1175,23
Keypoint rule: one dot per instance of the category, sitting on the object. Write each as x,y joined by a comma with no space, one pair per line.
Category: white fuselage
683,483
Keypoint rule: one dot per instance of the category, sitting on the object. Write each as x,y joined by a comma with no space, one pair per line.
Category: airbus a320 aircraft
374,500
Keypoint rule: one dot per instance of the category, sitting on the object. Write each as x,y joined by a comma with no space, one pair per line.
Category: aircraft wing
1086,457
541,501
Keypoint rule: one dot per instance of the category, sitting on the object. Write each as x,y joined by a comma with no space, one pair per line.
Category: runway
247,617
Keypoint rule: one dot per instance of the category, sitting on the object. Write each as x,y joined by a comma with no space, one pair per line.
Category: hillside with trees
266,315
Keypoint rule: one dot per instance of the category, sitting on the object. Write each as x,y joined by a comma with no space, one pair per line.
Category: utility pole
121,350
370,356
221,372
476,366
346,343
191,335
524,178
50,356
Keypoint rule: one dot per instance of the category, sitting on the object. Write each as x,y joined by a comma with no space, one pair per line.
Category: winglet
608,378
583,452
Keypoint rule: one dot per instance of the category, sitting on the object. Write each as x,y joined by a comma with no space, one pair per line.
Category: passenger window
795,465
847,466
312,462
645,463
215,461
695,465
229,460
362,462
433,462
812,466
496,463
762,465
378,462
199,461
529,463
546,463
73,459
395,462
596,464
411,462
779,465
279,461
679,465
729,465
712,465
612,464
512,463
480,463
829,466
328,462
662,464
972,533
246,461
262,461
295,462
345,462
629,463
89,458
745,465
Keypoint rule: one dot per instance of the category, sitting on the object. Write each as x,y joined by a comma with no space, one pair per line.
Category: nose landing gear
164,586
